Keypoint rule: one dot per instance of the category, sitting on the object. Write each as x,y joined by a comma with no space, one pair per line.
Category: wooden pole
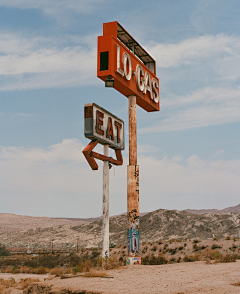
133,187
105,221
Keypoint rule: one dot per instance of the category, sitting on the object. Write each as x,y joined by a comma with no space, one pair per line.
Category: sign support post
133,186
105,220
123,64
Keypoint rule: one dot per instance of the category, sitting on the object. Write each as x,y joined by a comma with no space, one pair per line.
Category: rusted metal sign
121,58
103,126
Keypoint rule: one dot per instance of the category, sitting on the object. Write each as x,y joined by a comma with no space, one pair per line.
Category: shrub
4,251
119,245
154,248
189,258
227,238
24,283
214,246
152,260
195,241
111,245
39,270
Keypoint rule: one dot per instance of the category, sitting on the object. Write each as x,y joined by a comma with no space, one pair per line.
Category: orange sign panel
121,58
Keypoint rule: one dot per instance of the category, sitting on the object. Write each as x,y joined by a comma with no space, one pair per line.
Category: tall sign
132,72
105,128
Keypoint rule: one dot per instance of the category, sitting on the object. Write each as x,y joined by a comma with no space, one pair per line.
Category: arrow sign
90,155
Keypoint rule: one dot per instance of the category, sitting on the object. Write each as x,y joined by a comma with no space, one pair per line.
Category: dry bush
39,270
8,283
110,263
57,271
24,270
210,254
214,246
228,238
189,258
152,260
154,248
24,283
84,266
195,241
119,245
197,256
99,274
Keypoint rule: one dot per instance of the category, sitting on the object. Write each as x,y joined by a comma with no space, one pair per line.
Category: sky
188,153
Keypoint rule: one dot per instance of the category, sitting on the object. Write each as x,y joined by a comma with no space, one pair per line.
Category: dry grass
99,274
59,272
24,283
11,283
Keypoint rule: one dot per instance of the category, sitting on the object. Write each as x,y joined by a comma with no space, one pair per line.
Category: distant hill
235,209
160,224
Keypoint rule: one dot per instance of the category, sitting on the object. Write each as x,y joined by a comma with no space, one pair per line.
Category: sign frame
121,58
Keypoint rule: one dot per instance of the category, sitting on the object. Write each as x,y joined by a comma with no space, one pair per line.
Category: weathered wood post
133,186
105,220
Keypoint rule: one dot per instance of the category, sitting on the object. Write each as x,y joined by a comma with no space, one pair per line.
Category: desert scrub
172,250
153,260
195,241
215,246
227,238
154,248
4,251
197,248
189,258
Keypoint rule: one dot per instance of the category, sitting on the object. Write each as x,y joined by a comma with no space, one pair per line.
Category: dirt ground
179,278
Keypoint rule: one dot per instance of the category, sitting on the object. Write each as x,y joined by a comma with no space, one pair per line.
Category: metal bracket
90,155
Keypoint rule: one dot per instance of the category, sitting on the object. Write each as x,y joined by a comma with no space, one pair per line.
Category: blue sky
188,152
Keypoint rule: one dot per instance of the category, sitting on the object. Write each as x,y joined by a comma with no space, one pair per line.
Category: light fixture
109,83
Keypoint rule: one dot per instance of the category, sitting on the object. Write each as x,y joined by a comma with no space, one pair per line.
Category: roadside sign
103,126
121,58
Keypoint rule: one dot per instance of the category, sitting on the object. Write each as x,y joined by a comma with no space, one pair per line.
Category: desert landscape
181,251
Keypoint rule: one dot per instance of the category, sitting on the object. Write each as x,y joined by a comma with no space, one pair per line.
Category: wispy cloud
205,107
56,8
62,170
37,62
192,50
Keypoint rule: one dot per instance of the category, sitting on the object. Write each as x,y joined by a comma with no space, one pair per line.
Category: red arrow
90,155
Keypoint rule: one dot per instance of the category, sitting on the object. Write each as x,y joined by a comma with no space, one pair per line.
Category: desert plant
152,260
154,248
195,241
4,251
189,258
214,246
227,238
92,274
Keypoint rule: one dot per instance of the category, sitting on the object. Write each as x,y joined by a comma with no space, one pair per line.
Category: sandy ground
182,278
